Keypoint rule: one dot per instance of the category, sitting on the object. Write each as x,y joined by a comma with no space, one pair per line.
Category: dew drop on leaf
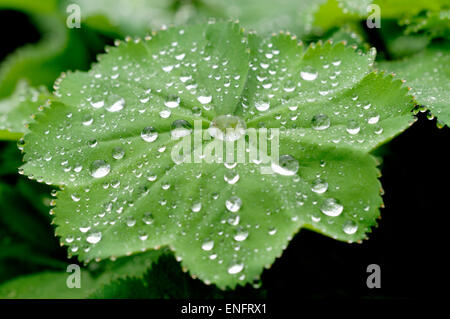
235,268
208,245
118,153
320,122
114,103
99,168
350,227
331,207
287,165
172,101
149,134
309,73
319,186
94,237
233,204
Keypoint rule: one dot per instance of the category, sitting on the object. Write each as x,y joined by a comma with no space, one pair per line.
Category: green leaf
428,75
46,285
16,110
123,193
52,285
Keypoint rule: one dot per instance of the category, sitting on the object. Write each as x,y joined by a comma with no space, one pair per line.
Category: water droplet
320,122
227,128
231,177
350,227
149,134
99,168
131,221
180,128
172,101
235,268
208,245
87,120
94,237
97,102
114,103
233,204
118,153
204,99
319,186
287,165
353,127
241,235
262,105
309,74
148,218
75,197
196,207
331,207
373,118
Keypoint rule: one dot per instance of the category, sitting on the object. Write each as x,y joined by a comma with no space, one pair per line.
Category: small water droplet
287,165
319,186
233,204
331,207
149,134
99,168
94,237
172,101
353,127
231,177
196,207
118,153
241,234
235,268
309,73
350,227
320,122
208,245
114,103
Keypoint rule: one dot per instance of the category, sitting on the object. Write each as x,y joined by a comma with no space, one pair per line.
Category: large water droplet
99,168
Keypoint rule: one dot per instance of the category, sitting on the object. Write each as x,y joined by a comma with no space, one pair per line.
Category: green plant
104,137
